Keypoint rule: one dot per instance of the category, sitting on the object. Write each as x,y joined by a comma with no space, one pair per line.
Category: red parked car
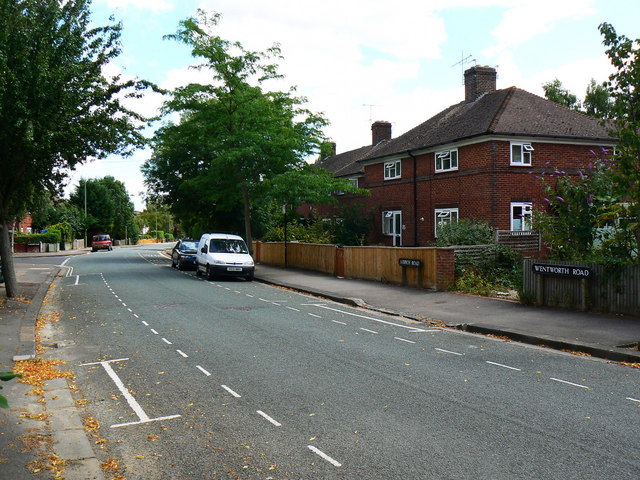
101,242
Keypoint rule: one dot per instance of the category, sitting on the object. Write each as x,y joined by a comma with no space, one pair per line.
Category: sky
358,61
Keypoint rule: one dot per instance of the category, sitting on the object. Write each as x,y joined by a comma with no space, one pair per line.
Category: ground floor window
444,216
392,225
521,216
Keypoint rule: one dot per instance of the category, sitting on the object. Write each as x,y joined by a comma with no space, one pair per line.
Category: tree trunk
247,218
9,273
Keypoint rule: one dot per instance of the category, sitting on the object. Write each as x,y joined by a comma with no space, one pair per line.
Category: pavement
33,429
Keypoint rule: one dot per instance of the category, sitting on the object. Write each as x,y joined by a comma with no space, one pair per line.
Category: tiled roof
510,112
346,163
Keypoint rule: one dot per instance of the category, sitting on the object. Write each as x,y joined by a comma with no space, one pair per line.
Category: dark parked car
184,254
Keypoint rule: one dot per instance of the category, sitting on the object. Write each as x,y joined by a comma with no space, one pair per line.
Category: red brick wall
482,188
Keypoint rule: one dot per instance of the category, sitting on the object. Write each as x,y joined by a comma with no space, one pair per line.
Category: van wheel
198,272
209,274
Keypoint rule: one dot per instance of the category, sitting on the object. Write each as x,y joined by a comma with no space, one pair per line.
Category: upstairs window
447,160
521,153
392,170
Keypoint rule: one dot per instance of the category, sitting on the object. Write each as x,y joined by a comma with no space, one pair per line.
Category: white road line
404,340
314,315
166,341
276,304
145,323
154,332
294,309
130,310
633,399
503,366
324,456
230,391
123,304
77,277
569,383
370,331
136,315
203,370
264,300
448,351
236,291
250,296
135,406
182,353
261,413
336,321
413,329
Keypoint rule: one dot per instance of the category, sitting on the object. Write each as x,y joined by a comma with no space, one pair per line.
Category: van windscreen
220,245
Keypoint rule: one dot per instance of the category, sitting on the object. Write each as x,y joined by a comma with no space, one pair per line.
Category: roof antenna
370,111
464,60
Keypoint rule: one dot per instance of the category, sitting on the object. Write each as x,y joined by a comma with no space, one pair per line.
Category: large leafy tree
57,108
624,87
109,208
233,134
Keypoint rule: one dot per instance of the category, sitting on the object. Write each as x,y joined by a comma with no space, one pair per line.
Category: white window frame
392,225
354,180
444,216
527,212
392,170
446,156
525,151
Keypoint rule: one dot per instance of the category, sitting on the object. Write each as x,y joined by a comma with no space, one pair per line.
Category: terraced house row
479,159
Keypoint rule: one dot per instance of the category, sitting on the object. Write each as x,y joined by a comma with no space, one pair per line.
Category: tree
236,134
556,92
597,101
624,87
109,208
56,106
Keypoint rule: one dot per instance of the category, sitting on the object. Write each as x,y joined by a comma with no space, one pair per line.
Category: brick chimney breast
380,131
478,81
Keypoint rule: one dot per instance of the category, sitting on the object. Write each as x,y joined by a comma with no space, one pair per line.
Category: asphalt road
193,379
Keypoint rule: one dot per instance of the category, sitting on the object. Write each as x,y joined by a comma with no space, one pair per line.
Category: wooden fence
368,263
602,291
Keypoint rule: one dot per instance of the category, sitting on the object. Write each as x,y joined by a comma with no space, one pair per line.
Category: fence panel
615,292
382,264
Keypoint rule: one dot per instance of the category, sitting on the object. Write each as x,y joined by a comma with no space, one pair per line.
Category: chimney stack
380,131
478,81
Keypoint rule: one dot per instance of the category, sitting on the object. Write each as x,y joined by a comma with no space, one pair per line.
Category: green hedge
51,236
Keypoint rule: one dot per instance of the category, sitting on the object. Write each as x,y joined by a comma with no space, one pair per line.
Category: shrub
464,232
50,236
499,268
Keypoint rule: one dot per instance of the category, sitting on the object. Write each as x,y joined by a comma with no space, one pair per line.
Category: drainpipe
415,199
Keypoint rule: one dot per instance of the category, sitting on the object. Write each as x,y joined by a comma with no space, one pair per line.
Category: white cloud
529,18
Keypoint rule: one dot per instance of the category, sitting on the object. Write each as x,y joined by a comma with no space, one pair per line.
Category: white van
223,255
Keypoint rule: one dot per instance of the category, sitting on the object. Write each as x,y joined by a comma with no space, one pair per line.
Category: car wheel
180,267
94,250
249,277
173,263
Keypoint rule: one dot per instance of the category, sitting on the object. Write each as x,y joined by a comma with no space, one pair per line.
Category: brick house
478,159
